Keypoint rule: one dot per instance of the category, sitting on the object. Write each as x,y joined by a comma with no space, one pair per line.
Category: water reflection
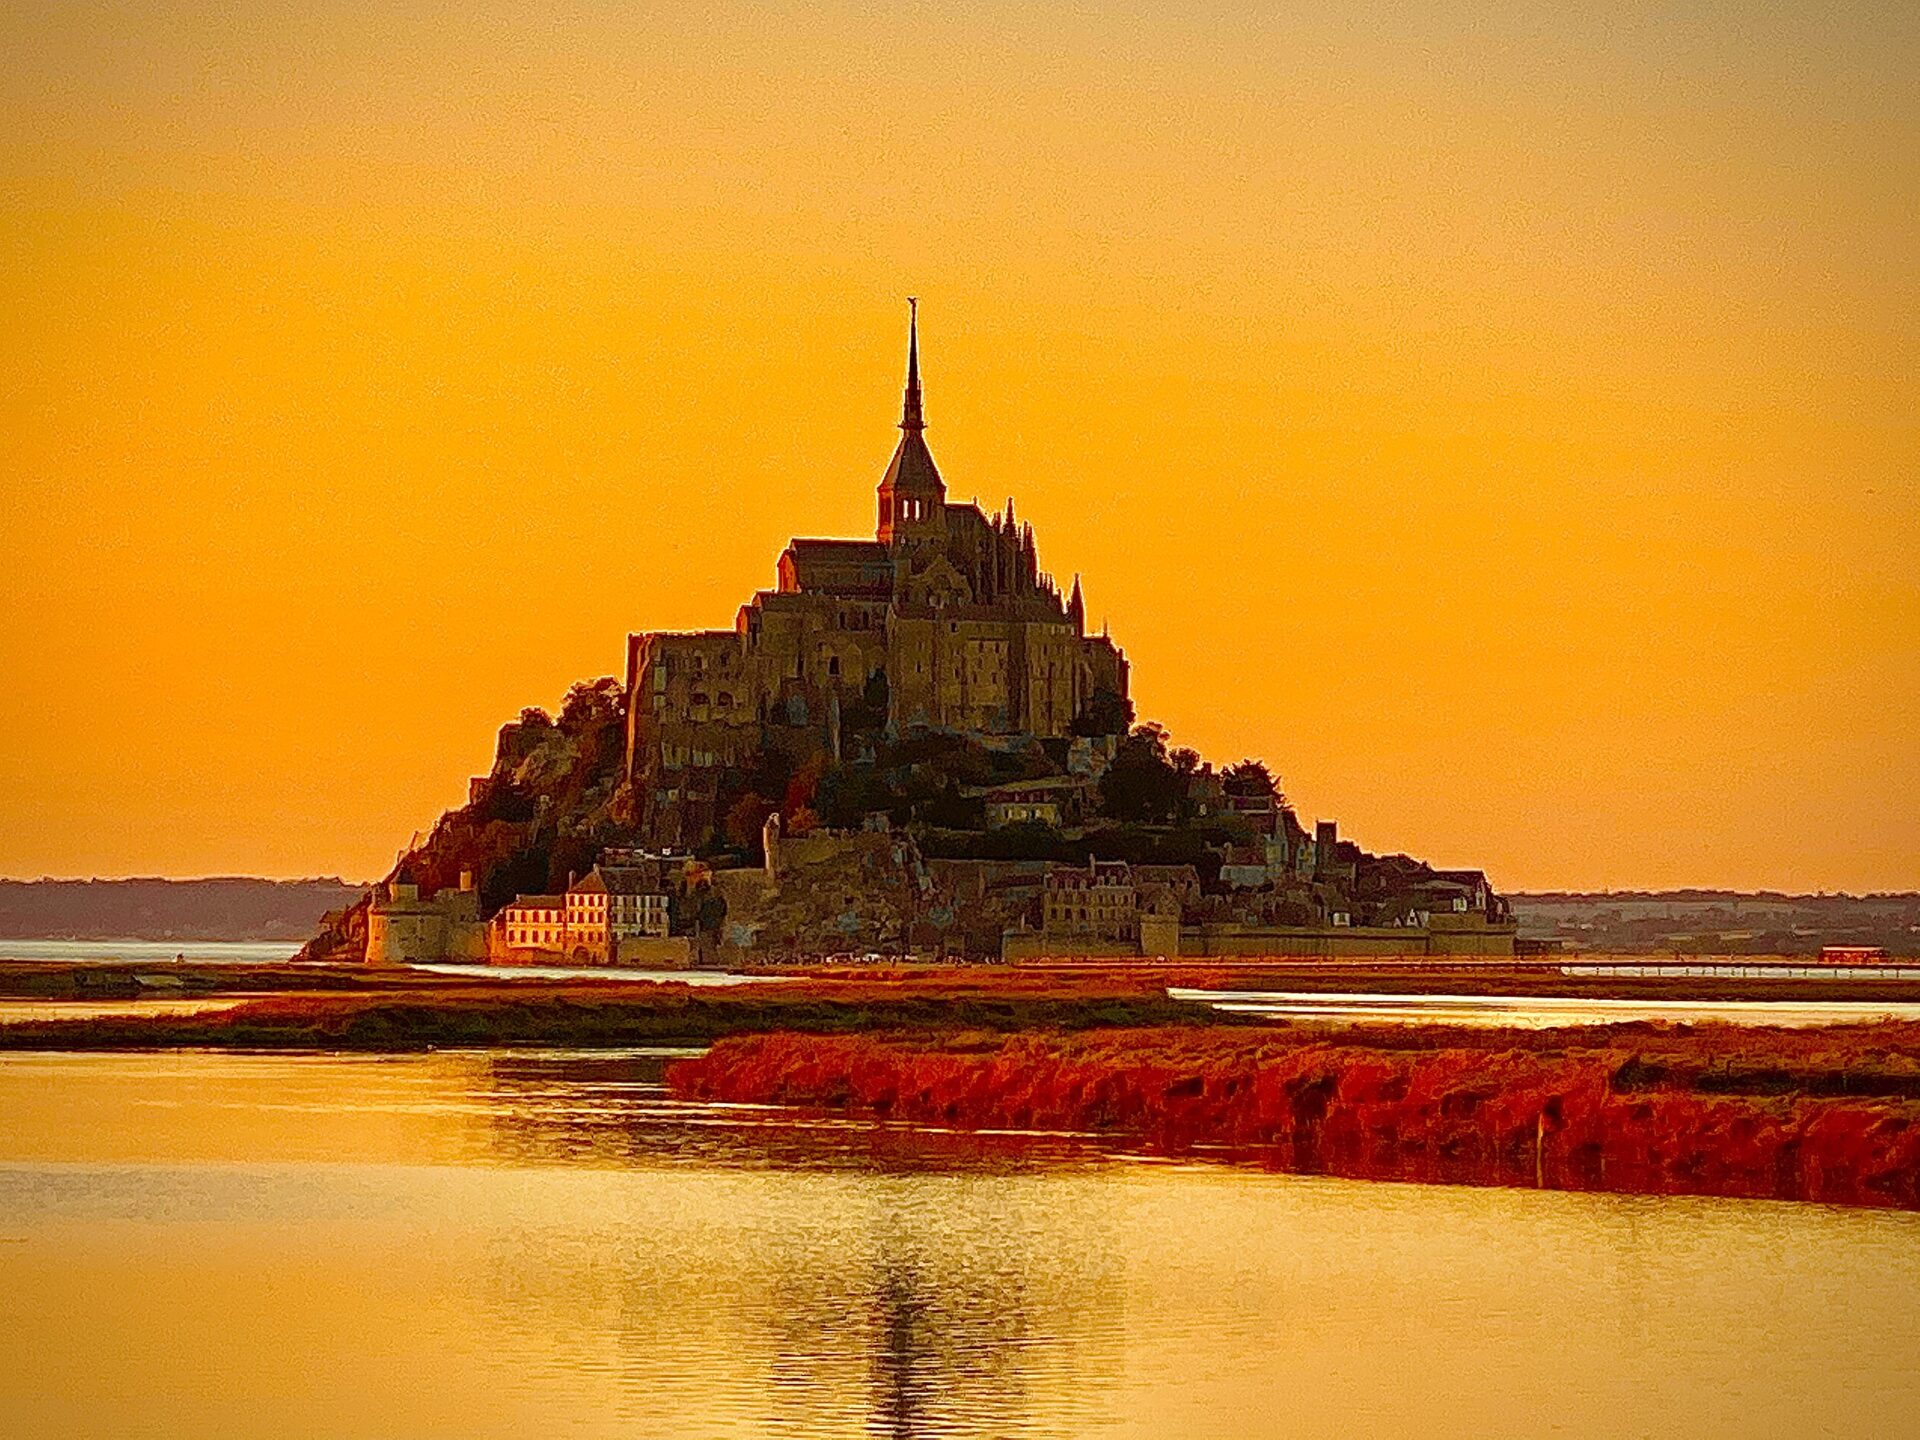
152,952
223,1245
579,1107
1539,1011
945,1340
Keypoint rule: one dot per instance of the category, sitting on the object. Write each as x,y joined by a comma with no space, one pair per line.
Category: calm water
491,1244
1541,1011
274,952
212,952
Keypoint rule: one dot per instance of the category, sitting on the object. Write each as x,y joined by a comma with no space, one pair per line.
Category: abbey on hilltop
944,620
909,746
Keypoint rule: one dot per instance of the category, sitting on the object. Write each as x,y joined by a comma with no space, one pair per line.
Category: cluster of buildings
1287,893
618,913
1109,909
838,892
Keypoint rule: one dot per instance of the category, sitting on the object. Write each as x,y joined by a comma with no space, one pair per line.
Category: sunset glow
1503,424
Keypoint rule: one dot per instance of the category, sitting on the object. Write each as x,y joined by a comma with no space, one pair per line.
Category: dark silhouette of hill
1719,922
226,907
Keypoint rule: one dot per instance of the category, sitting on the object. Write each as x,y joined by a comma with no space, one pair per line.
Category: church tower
913,498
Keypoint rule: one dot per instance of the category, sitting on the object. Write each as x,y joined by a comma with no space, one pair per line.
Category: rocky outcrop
544,812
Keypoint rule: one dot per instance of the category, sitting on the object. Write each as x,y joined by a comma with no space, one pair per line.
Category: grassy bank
360,1008
1829,1115
587,1013
71,980
129,979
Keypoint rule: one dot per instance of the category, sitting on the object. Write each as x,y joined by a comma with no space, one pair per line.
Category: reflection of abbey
944,617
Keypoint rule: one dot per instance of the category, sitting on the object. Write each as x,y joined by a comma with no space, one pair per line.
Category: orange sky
1505,425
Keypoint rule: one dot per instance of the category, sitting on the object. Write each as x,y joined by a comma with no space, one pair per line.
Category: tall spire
911,418
912,499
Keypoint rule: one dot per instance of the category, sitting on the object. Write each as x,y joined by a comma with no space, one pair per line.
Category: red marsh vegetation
1829,1115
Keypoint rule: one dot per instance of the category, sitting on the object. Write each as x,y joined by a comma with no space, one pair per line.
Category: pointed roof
912,469
911,417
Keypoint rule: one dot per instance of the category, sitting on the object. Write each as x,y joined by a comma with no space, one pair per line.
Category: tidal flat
1828,1112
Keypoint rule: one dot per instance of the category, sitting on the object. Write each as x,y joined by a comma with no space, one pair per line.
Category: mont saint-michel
909,746
611,828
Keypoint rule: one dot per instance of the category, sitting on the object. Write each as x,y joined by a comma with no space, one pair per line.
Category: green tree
591,704
1103,713
1142,784
1252,779
867,714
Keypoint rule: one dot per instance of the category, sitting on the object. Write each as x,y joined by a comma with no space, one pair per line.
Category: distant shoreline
228,908
1689,920
1699,895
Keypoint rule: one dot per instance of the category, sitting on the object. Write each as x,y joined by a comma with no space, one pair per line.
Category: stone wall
1383,941
1030,945
655,952
1227,942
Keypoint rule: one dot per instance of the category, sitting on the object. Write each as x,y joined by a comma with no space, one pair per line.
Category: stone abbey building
945,611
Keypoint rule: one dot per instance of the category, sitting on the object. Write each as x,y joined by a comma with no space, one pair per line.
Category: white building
612,903
532,922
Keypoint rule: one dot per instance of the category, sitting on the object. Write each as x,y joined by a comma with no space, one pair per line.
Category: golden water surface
494,1244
